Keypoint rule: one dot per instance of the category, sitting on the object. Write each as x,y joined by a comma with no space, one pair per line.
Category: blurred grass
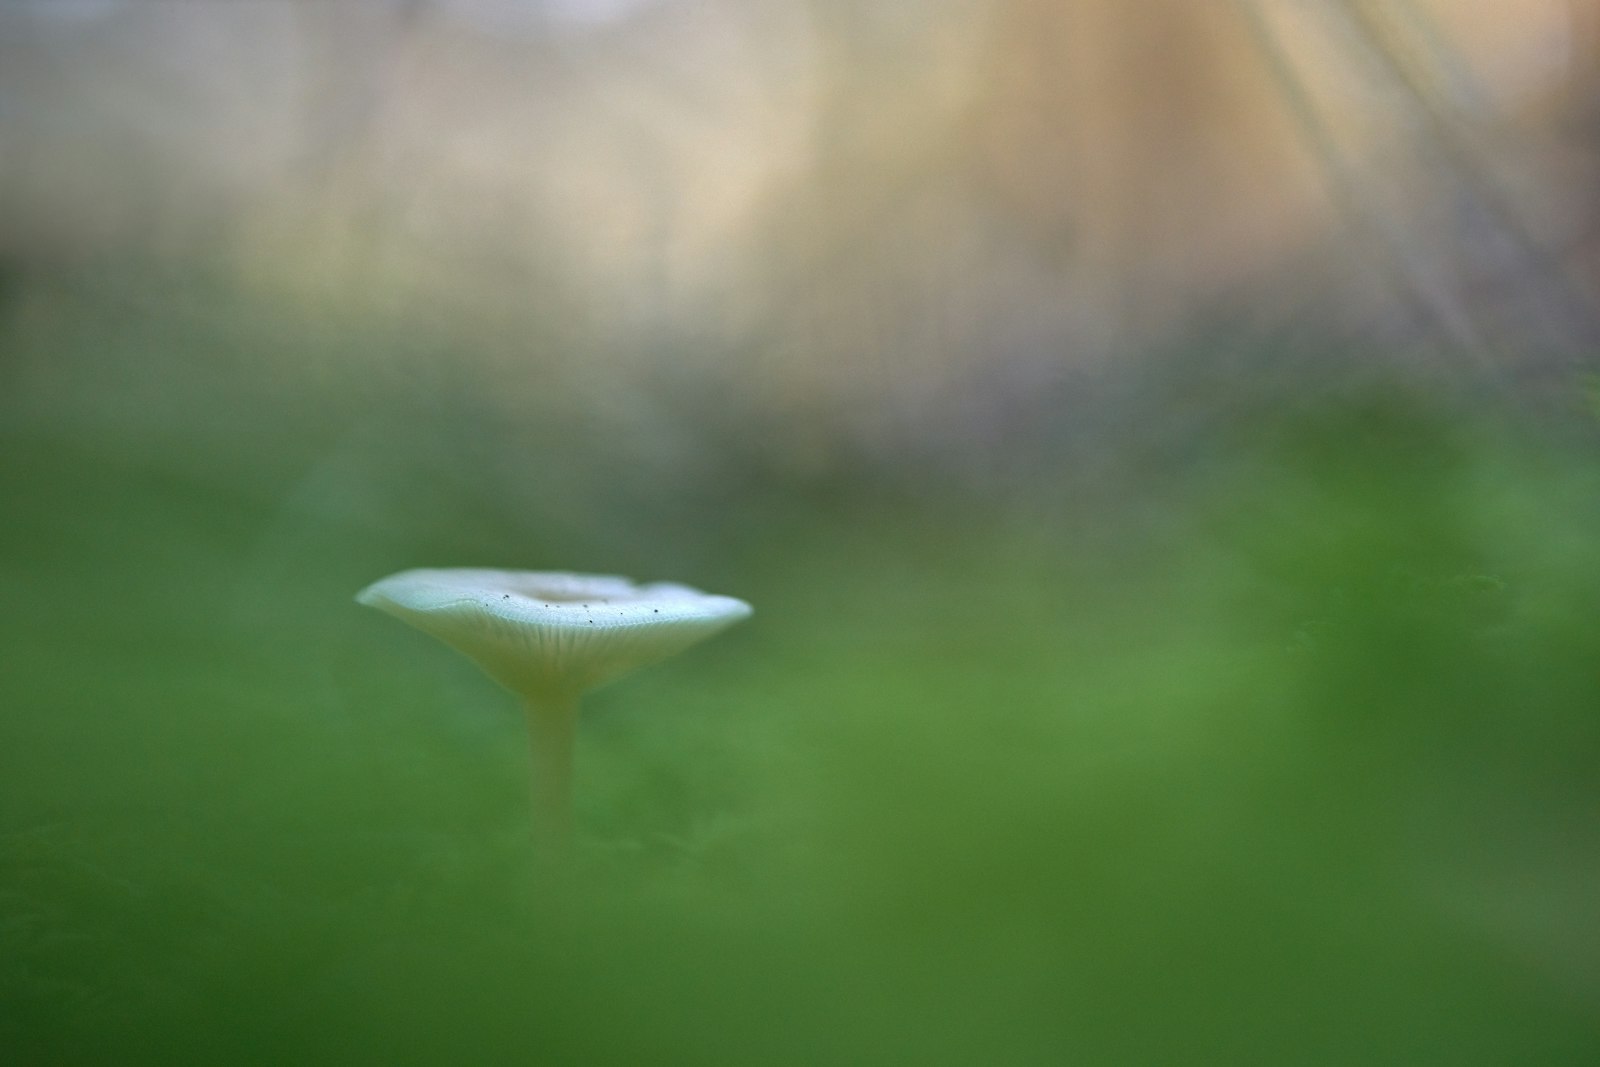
1290,759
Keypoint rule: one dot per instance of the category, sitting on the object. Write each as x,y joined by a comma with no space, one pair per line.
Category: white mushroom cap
550,632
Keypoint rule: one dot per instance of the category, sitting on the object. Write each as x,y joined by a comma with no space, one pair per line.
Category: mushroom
550,637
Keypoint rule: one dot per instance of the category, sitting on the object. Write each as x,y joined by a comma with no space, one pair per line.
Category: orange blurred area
885,221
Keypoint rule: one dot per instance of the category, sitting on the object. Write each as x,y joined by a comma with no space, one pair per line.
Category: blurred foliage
1276,744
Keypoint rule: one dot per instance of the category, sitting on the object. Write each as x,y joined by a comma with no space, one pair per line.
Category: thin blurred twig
1349,190
1567,307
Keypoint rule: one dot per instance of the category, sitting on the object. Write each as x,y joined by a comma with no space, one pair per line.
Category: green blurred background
1158,442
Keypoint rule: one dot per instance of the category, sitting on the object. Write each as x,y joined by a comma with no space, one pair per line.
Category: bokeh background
1158,440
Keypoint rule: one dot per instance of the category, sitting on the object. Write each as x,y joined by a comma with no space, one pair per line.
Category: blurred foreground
1277,747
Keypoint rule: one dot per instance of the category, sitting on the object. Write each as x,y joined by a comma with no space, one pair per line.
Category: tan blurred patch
857,216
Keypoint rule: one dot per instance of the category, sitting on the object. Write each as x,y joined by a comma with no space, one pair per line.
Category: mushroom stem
552,733
549,637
